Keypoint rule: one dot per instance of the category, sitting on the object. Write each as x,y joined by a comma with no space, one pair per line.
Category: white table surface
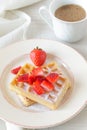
39,29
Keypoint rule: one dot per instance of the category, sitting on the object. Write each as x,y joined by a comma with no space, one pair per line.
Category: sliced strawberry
48,86
39,78
15,70
23,78
37,88
52,77
37,71
31,79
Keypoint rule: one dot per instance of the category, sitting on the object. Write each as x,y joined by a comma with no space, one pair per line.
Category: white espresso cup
64,30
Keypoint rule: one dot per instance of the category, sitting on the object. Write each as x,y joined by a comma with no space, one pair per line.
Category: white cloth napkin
13,27
13,23
15,4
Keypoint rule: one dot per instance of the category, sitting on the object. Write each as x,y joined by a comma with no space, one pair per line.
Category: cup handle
45,15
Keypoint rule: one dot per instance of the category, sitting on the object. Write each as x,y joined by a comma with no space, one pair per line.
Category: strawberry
26,78
39,78
31,79
52,77
15,70
38,56
47,85
23,78
37,71
37,88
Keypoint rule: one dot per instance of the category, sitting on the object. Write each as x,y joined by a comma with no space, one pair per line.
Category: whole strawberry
38,56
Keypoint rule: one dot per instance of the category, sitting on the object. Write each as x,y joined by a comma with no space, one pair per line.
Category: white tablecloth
39,29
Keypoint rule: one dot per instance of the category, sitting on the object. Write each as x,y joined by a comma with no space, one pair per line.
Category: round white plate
42,119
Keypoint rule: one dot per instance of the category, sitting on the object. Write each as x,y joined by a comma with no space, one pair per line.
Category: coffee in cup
70,12
67,18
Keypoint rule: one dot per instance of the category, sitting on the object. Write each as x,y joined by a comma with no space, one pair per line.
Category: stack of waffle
50,99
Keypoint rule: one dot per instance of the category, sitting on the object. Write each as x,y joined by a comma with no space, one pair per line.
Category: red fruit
15,70
31,79
38,56
37,71
52,77
47,85
37,88
23,78
26,78
39,78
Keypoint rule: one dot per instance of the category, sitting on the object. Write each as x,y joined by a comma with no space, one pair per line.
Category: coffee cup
68,31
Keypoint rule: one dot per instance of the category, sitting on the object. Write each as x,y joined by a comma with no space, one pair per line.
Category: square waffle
25,100
50,99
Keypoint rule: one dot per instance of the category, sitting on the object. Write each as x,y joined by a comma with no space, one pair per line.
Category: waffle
49,99
24,100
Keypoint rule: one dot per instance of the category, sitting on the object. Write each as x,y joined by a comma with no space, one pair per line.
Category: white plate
42,119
